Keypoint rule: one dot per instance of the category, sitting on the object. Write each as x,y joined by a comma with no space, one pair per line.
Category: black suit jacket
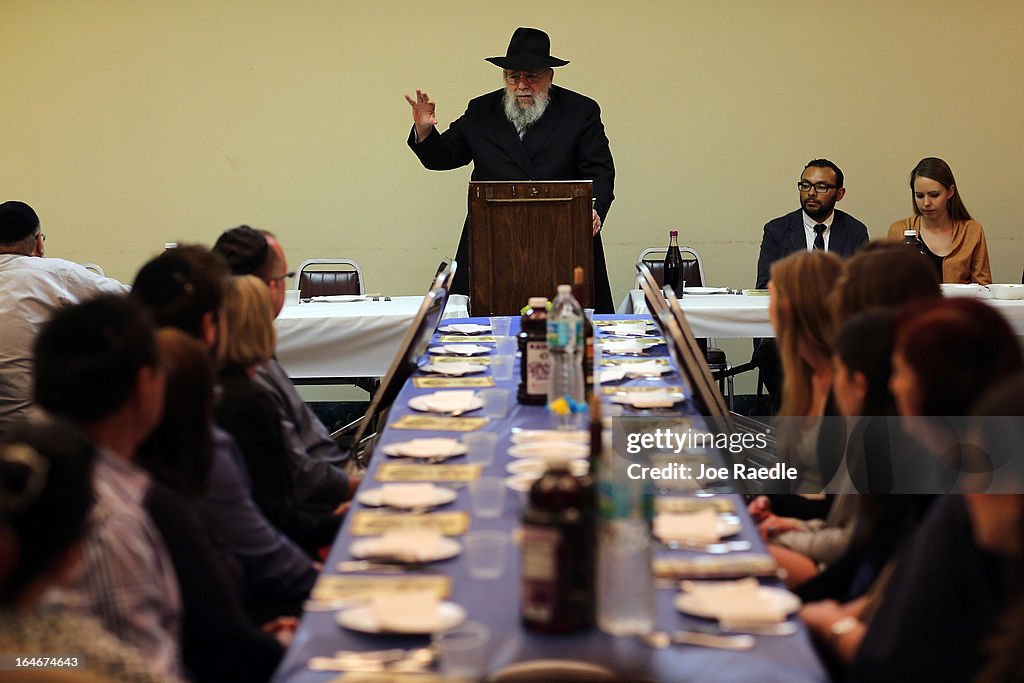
785,235
567,143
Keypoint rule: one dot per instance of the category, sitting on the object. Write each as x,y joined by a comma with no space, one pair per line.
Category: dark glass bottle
558,553
535,367
674,264
911,239
579,292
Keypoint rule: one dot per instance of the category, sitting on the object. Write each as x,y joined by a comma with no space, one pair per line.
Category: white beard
524,118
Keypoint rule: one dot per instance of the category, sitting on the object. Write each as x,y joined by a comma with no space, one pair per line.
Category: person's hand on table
837,625
760,508
282,628
773,525
422,114
595,220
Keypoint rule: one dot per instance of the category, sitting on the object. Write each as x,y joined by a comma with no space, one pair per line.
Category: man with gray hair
528,130
33,288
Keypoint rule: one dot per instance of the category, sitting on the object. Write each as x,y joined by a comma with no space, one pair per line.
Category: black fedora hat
530,48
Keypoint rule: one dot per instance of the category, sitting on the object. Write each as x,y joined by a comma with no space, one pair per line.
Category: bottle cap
565,289
910,232
537,302
673,233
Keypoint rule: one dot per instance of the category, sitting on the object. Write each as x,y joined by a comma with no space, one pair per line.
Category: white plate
425,448
705,290
556,435
552,670
520,482
459,350
422,404
453,369
637,399
362,619
535,467
550,449
626,330
375,497
687,603
464,328
445,548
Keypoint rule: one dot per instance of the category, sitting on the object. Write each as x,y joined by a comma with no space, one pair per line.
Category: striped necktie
819,237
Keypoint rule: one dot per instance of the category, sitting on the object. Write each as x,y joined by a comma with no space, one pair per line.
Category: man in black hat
528,130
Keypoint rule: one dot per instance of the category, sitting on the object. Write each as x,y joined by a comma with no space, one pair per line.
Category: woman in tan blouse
949,236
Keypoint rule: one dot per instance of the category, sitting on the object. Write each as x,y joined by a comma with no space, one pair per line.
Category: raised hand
422,114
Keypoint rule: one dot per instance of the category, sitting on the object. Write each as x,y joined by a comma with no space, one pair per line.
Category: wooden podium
525,238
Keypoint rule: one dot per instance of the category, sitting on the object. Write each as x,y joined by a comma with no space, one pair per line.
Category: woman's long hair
802,283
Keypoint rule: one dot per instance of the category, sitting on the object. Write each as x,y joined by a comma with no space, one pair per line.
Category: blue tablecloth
496,603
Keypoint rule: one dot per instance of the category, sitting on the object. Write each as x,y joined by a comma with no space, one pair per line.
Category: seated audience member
183,288
941,366
817,224
883,274
314,456
953,240
96,365
34,287
247,411
178,454
46,496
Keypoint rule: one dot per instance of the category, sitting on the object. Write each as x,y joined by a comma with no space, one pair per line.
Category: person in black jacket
528,130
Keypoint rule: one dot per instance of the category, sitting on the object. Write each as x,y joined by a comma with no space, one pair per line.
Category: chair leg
732,394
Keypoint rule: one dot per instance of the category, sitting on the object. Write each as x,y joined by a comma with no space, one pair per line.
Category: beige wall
129,123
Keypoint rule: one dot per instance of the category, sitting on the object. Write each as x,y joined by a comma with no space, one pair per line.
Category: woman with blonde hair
799,310
247,411
947,234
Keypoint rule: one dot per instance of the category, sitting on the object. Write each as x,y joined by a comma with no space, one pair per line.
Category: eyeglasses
283,276
531,77
820,188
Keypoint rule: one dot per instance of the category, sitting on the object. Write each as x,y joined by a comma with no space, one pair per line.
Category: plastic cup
487,497
589,312
480,447
500,325
501,368
486,552
495,402
506,346
291,297
462,650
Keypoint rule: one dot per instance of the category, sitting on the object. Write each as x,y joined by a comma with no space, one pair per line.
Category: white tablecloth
738,316
351,339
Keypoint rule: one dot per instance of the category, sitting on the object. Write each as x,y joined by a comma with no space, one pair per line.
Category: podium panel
525,238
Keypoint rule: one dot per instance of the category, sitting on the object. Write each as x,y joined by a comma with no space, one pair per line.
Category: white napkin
408,495
742,600
535,435
696,527
611,375
453,368
468,328
424,448
645,369
465,349
411,545
650,399
626,346
447,401
409,611
628,329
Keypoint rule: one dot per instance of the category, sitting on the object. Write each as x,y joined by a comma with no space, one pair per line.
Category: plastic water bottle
625,580
566,349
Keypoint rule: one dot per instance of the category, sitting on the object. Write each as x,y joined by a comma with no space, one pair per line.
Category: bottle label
565,333
540,573
538,367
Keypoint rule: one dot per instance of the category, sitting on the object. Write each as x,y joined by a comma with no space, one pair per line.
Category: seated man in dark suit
817,224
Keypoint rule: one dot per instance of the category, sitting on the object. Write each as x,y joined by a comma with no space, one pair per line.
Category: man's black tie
819,238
